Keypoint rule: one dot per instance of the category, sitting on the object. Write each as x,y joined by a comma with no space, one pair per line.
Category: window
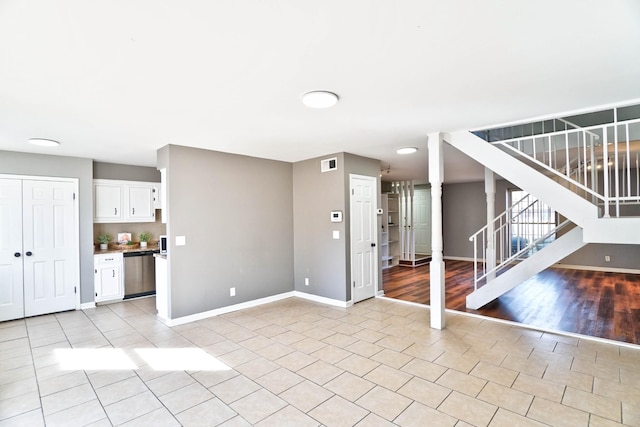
531,221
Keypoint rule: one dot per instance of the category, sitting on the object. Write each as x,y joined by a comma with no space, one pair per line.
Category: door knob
17,255
28,253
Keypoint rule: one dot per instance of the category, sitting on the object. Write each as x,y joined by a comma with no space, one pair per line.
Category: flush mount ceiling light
43,142
406,150
319,99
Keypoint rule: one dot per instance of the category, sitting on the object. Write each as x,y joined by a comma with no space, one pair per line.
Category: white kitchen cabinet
123,201
139,202
157,196
108,277
107,198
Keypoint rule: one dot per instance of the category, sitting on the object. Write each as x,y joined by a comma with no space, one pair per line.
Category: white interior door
422,221
11,279
364,229
49,247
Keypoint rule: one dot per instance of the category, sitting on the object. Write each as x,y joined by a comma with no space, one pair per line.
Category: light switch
181,240
336,234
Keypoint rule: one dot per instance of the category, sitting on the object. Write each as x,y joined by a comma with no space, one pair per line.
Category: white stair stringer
563,200
613,230
551,254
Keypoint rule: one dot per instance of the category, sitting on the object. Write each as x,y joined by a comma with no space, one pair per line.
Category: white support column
436,175
490,189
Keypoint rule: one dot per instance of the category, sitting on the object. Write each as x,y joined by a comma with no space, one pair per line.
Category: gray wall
237,215
103,170
319,257
66,167
464,213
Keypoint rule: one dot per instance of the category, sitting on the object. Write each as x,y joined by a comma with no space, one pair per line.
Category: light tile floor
298,363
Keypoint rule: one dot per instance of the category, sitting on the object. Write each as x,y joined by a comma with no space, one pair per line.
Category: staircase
589,175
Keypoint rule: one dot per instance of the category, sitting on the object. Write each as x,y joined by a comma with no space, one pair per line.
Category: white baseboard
457,258
322,300
87,305
224,310
592,268
380,294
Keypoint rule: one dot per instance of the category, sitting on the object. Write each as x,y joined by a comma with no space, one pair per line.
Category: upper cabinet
107,201
123,201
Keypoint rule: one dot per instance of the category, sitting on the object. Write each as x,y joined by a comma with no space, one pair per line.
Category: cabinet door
11,252
108,282
140,206
108,202
157,201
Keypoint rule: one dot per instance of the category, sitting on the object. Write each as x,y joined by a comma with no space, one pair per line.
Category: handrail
594,161
575,156
487,273
495,240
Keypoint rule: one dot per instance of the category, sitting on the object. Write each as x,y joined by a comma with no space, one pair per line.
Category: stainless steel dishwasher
139,274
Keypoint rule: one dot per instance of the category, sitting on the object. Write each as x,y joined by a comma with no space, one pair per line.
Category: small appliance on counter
163,244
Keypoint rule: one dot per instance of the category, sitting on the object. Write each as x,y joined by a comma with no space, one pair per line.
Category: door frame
76,219
374,222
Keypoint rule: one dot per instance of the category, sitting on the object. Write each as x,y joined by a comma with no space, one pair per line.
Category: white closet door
422,221
49,247
364,228
11,280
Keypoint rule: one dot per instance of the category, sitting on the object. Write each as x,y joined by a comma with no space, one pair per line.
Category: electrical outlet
306,281
607,258
232,292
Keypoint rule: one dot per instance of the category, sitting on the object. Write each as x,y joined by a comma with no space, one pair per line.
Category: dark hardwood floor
599,304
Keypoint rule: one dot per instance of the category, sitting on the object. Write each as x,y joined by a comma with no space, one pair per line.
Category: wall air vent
327,165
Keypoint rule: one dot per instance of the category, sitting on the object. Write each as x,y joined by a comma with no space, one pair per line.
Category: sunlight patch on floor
180,359
93,359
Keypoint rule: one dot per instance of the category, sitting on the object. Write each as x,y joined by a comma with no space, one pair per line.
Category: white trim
559,115
87,305
225,310
592,268
380,294
567,266
525,326
322,300
457,258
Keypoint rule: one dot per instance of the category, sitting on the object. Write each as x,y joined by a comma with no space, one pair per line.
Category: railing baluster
626,125
566,152
605,169
616,171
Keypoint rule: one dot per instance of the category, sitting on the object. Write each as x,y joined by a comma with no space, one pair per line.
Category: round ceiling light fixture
406,150
319,99
43,142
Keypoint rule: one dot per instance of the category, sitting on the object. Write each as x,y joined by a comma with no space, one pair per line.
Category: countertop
113,250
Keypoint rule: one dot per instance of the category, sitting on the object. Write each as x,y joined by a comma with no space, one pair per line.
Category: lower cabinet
108,277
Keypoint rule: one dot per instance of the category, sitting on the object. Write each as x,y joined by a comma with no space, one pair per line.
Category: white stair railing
518,232
600,163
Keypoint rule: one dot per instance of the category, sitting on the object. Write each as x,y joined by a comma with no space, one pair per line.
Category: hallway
599,304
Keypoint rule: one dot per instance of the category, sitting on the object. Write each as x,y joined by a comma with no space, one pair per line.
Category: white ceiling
116,80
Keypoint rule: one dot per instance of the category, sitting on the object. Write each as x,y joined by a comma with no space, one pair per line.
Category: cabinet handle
114,273
17,255
115,211
28,253
133,211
